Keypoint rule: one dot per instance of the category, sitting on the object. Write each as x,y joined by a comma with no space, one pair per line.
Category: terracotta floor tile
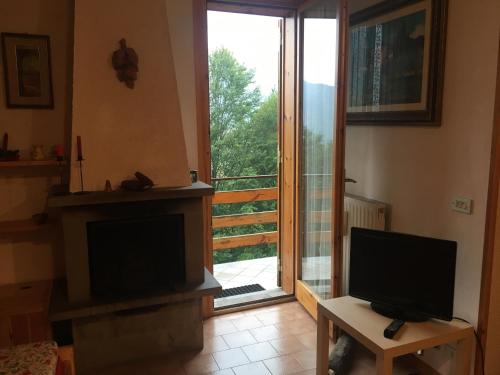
260,310
247,322
287,345
200,364
284,365
232,316
216,327
238,339
297,327
275,317
308,339
230,358
266,333
256,368
220,372
306,358
260,351
214,344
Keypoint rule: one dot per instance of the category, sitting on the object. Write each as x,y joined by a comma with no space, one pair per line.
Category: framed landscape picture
27,68
396,59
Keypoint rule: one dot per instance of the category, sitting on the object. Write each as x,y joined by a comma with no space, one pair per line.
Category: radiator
363,213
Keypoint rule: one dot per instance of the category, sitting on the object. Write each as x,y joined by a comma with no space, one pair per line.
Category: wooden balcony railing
228,221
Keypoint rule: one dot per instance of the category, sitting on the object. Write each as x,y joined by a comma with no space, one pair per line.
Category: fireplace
135,256
135,274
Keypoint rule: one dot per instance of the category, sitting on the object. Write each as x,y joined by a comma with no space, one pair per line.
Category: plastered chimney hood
125,130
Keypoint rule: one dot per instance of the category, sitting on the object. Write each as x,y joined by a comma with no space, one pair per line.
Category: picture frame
27,70
396,63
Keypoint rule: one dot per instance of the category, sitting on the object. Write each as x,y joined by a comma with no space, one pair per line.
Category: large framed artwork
396,61
27,68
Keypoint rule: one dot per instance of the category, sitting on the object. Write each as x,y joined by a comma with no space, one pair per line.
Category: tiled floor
275,340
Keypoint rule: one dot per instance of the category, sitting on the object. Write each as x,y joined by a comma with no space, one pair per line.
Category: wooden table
356,318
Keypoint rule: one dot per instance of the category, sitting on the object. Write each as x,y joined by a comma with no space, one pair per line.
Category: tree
243,134
233,102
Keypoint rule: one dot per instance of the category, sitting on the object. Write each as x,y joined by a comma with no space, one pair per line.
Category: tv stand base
396,313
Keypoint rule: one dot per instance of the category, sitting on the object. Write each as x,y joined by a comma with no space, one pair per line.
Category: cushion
38,358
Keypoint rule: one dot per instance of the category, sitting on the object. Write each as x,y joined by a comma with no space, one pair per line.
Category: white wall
126,130
180,20
38,257
420,170
23,192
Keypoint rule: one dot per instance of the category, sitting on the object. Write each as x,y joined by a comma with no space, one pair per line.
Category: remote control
393,328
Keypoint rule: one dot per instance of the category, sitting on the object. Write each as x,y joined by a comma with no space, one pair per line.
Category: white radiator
362,213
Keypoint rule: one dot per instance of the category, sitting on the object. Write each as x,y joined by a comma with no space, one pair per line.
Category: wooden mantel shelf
196,190
31,163
20,226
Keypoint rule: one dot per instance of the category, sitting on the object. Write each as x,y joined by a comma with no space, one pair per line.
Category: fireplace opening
138,255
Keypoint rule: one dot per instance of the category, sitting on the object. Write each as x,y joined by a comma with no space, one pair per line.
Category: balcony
246,237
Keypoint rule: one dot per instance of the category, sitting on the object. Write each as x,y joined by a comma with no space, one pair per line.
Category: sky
255,42
320,51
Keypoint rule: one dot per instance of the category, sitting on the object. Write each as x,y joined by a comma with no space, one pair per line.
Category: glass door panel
318,97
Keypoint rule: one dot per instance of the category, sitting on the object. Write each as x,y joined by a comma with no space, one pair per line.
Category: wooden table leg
322,345
464,351
384,365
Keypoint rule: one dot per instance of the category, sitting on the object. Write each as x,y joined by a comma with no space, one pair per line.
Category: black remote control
393,328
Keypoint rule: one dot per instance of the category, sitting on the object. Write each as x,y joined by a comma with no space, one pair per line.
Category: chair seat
38,358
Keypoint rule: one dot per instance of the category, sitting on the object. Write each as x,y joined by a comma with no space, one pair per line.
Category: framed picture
396,61
28,76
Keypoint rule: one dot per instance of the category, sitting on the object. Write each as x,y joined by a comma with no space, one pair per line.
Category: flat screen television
404,276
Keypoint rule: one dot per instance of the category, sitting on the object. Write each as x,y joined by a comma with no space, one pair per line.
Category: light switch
463,205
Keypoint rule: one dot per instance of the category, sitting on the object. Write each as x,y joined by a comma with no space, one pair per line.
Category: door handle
347,179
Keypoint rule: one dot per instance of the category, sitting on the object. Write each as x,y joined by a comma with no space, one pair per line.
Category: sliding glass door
319,125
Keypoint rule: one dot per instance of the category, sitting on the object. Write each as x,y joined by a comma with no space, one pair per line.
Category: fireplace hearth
134,274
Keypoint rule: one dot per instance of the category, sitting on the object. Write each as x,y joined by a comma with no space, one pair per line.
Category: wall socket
463,205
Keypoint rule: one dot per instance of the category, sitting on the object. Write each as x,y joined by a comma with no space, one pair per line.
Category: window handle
347,179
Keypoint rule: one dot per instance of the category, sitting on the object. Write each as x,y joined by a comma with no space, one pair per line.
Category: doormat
240,290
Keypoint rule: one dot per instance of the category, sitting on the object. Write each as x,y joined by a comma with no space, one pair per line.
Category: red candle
59,151
79,147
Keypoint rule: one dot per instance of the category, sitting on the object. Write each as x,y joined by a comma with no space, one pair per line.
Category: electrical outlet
463,205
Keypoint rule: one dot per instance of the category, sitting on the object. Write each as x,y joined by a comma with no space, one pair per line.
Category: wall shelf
31,163
21,226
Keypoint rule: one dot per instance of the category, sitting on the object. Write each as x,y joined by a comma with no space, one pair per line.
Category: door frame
303,292
277,8
491,235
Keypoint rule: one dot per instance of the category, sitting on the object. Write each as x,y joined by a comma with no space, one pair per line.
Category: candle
79,147
59,151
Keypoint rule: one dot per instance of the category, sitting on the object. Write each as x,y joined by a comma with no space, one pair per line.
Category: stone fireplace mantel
196,190
116,327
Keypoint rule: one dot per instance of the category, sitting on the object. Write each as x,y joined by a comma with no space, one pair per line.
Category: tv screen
404,272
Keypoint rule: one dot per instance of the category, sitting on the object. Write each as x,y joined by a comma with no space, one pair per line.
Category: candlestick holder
82,191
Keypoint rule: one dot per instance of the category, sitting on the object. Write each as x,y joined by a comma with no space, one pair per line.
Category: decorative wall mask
126,63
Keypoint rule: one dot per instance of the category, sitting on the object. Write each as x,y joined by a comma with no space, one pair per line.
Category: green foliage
244,142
